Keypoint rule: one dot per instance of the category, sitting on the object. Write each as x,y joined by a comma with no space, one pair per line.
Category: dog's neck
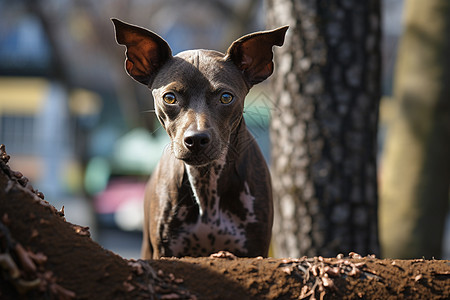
203,180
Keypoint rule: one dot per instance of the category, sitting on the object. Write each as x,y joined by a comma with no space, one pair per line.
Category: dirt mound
44,257
311,278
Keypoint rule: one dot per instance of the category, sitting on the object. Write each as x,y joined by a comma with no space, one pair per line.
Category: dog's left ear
252,53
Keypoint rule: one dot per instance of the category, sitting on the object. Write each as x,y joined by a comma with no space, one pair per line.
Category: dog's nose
196,140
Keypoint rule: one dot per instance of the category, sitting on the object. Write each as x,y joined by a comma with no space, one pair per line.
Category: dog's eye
169,98
226,98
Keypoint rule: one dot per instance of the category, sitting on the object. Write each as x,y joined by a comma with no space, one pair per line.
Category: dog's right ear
146,51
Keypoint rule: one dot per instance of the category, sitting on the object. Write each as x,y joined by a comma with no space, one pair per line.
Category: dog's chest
214,229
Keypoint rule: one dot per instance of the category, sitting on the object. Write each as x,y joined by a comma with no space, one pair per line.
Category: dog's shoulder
170,171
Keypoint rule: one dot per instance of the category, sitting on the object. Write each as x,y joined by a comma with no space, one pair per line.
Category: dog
212,190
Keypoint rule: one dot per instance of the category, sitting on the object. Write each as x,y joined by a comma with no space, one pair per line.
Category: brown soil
346,278
44,257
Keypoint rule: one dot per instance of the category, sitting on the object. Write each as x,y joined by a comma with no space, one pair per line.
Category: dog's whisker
149,111
253,113
158,128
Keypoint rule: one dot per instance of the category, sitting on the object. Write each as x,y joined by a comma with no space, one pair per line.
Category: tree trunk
416,165
324,126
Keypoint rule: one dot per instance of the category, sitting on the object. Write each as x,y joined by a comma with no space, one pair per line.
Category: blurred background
80,129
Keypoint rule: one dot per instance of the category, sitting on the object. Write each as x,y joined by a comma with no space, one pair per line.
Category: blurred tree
416,167
324,127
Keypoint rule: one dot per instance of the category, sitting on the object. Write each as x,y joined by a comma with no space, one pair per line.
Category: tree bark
326,91
416,166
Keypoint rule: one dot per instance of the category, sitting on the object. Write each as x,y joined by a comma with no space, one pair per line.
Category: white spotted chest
214,229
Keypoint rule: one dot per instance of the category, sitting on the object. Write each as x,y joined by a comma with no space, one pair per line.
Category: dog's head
199,94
